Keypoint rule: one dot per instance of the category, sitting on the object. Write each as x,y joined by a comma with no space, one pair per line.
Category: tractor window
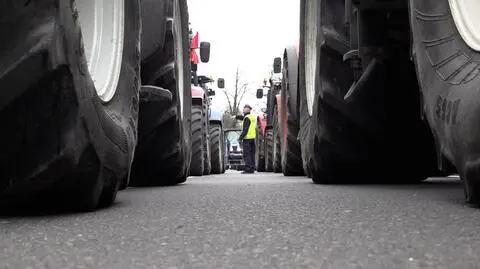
232,136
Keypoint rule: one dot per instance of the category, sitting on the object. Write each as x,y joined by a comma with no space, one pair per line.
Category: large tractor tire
277,143
447,56
259,152
68,102
217,148
198,148
163,152
269,150
290,122
376,133
207,166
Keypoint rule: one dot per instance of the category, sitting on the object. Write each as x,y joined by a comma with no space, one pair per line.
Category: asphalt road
256,221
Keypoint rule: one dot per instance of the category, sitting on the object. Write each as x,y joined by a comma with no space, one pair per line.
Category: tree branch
241,97
229,102
236,94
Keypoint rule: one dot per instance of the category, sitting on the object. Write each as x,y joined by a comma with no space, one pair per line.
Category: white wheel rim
177,39
102,25
466,16
311,49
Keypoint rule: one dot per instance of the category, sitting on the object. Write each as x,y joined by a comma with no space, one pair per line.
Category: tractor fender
198,94
291,53
261,123
215,116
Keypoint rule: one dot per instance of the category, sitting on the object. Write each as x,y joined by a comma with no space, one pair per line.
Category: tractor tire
207,166
449,75
290,123
269,150
277,143
217,148
55,123
198,155
60,134
259,152
364,137
163,153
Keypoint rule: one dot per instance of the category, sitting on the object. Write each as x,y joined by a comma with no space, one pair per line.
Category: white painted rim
102,23
311,51
466,14
177,40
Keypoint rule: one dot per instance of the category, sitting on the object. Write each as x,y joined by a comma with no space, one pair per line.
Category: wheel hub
102,26
466,16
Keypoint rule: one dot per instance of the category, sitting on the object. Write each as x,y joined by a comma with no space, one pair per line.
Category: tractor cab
233,149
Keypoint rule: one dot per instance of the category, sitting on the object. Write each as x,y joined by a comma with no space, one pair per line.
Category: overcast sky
247,33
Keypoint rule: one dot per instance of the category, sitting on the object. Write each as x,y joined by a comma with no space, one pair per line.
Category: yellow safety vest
252,128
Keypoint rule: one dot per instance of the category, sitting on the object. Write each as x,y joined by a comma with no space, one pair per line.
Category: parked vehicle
200,163
383,87
206,124
207,131
269,134
79,105
278,140
233,151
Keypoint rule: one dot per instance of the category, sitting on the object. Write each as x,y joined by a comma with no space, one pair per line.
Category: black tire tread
260,151
269,150
198,155
277,143
216,146
291,151
55,140
207,166
163,153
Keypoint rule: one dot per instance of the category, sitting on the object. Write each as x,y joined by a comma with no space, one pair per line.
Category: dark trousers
249,154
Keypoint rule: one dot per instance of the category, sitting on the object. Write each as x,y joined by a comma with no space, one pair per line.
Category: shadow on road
50,206
436,183
36,209
446,182
447,190
442,188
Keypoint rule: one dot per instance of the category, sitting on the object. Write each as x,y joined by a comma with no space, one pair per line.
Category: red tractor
207,129
278,148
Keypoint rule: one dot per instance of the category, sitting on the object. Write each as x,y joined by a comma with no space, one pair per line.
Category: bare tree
235,95
227,120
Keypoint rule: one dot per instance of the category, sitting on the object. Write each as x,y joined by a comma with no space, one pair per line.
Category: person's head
247,109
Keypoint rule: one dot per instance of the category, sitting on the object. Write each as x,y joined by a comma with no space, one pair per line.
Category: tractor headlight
235,148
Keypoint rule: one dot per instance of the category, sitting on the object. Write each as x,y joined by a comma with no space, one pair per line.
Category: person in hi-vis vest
248,139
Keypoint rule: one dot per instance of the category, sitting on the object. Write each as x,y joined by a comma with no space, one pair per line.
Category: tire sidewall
458,141
111,127
290,100
307,131
213,127
185,123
